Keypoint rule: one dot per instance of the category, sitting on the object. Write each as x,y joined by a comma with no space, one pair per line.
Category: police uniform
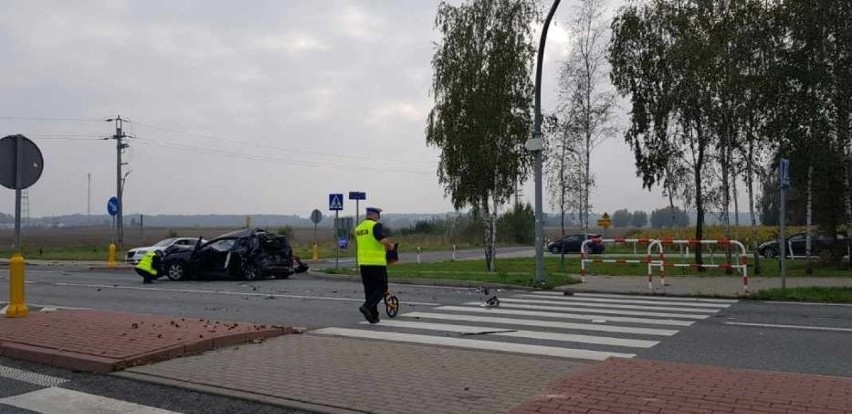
373,264
148,265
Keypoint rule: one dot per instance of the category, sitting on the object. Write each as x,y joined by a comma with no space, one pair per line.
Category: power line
219,138
266,158
35,118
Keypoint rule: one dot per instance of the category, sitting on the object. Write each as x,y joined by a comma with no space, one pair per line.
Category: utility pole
536,145
89,201
119,147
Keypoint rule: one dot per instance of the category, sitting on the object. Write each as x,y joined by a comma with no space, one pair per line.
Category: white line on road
225,292
617,296
607,305
770,325
504,304
56,400
545,324
30,377
474,344
633,301
484,330
563,315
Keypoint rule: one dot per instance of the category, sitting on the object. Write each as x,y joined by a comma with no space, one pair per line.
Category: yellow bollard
316,252
17,306
111,257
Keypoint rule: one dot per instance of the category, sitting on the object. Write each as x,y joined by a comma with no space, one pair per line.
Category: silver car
135,255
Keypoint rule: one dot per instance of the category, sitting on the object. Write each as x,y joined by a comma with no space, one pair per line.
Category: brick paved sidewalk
636,386
98,341
346,375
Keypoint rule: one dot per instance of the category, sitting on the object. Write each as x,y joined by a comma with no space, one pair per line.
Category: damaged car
250,254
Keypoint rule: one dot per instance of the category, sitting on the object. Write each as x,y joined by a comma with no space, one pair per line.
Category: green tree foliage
587,98
639,219
667,217
621,218
482,88
518,225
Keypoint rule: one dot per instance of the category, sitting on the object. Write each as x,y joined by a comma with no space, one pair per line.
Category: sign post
784,181
335,203
357,196
316,217
605,221
21,165
112,209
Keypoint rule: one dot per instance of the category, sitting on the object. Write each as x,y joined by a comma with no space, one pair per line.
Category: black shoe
147,281
368,314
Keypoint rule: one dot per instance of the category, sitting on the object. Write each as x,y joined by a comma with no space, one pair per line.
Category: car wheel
282,276
251,272
770,252
175,271
554,250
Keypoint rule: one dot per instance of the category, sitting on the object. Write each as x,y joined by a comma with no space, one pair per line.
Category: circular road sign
112,206
316,216
31,165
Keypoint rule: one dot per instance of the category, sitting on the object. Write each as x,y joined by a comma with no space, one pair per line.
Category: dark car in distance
797,245
571,244
249,254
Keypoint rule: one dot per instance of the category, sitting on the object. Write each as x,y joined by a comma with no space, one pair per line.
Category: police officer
149,265
372,245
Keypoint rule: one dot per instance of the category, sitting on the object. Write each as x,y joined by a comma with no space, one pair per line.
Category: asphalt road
803,338
147,394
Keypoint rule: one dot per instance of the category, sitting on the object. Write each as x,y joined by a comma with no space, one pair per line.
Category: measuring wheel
391,305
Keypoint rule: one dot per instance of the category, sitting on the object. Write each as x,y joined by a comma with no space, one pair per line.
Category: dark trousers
375,280
145,274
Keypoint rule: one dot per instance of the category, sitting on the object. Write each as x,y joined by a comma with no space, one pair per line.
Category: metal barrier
742,266
619,240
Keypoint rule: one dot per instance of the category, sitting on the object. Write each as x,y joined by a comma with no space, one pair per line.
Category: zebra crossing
33,392
586,326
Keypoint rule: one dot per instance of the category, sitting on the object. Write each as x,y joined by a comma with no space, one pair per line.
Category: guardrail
660,261
742,266
619,240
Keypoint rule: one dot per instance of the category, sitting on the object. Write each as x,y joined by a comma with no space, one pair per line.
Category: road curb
233,393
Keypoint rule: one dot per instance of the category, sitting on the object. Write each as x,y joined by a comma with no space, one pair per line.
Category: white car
135,255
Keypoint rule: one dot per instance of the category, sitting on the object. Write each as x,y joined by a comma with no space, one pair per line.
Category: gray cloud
240,107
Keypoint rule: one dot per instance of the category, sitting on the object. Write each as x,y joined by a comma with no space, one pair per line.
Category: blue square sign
335,202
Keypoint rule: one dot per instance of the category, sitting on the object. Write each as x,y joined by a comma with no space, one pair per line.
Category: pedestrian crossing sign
335,202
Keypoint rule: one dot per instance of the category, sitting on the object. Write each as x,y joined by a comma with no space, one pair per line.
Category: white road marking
505,304
770,325
609,305
545,324
225,292
56,400
632,301
617,296
30,377
564,315
484,330
474,344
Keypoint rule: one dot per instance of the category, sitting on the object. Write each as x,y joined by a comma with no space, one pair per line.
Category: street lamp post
536,145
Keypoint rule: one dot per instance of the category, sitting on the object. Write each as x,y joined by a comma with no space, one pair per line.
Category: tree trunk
726,189
750,184
489,245
699,202
808,220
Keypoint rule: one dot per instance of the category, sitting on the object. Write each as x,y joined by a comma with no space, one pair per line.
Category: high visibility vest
147,262
370,251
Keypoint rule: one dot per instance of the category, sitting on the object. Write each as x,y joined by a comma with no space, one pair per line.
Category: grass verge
807,294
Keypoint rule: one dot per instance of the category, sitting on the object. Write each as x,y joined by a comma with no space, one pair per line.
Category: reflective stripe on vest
370,251
146,263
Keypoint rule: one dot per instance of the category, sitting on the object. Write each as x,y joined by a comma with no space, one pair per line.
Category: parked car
250,254
571,244
135,255
797,245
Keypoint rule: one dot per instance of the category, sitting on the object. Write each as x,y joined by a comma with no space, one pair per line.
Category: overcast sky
243,107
